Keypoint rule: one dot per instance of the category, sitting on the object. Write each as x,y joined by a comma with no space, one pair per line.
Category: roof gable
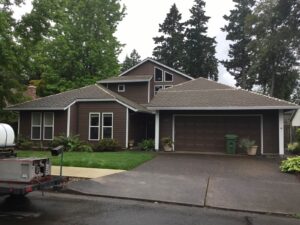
63,100
159,64
204,94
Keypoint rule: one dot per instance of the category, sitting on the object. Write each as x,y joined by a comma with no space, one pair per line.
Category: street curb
70,191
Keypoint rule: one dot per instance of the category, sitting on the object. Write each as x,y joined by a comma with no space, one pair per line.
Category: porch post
157,130
281,132
127,127
68,121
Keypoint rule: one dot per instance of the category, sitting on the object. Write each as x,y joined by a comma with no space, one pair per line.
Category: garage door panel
206,133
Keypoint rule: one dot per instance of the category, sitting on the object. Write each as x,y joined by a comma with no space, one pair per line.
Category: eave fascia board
122,81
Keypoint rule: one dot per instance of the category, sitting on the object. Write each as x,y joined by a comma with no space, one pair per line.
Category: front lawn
124,160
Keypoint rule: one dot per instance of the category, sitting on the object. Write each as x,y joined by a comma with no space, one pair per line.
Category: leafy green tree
11,88
71,43
239,58
169,48
131,60
200,60
274,46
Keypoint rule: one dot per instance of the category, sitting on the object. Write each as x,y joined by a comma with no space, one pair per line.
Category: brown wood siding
60,123
270,126
137,92
148,69
119,119
73,120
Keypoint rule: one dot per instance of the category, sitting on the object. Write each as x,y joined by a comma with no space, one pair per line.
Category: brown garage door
206,133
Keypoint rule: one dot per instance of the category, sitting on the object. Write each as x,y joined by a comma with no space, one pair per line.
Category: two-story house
152,100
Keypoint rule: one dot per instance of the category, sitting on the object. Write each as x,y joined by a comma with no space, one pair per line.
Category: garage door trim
222,115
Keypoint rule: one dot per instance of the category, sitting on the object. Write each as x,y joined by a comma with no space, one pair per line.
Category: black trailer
12,188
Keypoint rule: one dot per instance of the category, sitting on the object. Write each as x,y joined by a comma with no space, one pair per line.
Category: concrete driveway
231,182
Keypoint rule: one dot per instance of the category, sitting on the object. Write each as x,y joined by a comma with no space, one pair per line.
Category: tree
200,60
73,41
11,88
274,46
131,60
169,48
239,57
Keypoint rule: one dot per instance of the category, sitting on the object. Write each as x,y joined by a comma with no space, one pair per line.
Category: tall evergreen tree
274,46
239,57
169,48
131,60
11,88
200,60
73,41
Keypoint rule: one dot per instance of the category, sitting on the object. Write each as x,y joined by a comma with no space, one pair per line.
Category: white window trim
40,126
159,85
162,74
112,124
168,86
99,114
44,126
121,85
165,76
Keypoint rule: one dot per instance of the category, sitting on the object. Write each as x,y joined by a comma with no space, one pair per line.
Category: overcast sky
142,18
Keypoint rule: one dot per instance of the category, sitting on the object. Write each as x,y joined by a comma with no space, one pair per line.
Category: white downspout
157,130
281,132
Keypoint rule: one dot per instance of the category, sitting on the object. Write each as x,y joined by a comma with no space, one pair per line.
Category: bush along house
154,101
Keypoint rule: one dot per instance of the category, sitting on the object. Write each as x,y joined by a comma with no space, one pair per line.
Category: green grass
124,160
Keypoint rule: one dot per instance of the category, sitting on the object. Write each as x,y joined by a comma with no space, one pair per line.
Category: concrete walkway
228,182
83,172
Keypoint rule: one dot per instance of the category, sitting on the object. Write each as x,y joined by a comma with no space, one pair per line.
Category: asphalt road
65,209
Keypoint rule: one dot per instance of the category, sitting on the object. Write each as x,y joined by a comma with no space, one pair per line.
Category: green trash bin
231,140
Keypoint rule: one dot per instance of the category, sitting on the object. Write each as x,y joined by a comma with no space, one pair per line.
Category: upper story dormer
141,82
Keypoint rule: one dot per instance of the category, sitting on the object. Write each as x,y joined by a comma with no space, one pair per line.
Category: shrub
71,143
24,143
294,147
147,145
290,165
107,145
84,148
246,143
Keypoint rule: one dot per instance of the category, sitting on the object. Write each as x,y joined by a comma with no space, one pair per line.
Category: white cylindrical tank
7,136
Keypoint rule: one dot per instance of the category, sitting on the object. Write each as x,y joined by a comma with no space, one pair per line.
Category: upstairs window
94,127
36,125
107,125
121,88
48,125
157,88
158,75
168,77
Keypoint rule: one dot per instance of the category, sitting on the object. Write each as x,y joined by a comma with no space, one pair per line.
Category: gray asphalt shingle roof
62,100
206,94
126,79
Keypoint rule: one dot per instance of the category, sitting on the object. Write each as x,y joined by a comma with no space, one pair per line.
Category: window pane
168,77
168,86
94,133
121,87
107,120
36,133
94,120
48,133
48,118
107,132
157,88
158,75
36,119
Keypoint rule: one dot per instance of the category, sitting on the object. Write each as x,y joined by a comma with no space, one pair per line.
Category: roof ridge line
204,90
51,95
104,89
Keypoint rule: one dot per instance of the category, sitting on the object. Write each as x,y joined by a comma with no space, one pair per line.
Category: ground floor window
48,125
36,125
107,125
94,126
